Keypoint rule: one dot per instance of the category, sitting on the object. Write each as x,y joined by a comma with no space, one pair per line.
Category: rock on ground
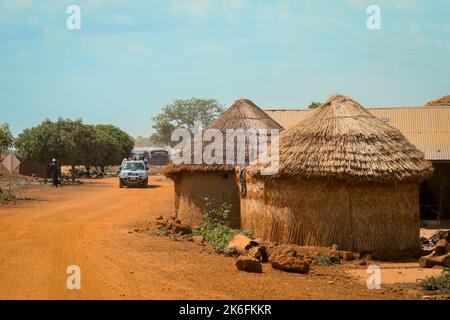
241,244
249,264
290,260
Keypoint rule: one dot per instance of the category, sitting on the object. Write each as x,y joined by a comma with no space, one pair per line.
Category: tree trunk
73,173
88,170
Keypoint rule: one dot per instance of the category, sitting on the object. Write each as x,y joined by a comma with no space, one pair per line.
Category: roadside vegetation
326,260
438,283
74,143
7,196
215,229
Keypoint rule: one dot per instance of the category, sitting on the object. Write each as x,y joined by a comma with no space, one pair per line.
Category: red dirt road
93,226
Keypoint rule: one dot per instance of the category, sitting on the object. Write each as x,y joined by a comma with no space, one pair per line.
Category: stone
434,260
335,259
198,239
248,264
441,247
241,244
290,261
348,256
259,253
181,229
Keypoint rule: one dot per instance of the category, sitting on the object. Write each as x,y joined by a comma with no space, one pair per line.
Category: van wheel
145,183
120,183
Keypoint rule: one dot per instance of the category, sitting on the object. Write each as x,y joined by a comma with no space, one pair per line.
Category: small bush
216,213
247,233
6,196
216,234
441,283
215,229
162,231
325,260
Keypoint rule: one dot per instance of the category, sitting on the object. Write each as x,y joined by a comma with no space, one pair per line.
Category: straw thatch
444,101
341,140
217,182
345,178
242,115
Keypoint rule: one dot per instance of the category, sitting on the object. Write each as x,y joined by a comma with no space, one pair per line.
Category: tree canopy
183,114
72,142
6,138
314,105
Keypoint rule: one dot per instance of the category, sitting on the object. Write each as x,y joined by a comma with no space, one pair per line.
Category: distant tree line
71,142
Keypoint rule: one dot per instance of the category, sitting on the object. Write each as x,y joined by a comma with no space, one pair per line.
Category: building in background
428,128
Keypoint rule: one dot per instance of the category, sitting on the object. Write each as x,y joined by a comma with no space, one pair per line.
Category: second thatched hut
199,187
345,178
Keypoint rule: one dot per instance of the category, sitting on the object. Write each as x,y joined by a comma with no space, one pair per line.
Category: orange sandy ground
103,229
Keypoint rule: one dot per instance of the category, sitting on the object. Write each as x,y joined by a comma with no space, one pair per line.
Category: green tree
183,114
74,143
6,138
114,145
314,105
47,141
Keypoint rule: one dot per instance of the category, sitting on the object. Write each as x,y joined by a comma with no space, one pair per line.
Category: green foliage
247,233
215,229
113,145
72,142
6,138
216,234
7,196
183,114
46,141
441,283
325,260
217,213
314,105
162,231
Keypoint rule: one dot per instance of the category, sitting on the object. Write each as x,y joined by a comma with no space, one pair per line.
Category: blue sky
131,57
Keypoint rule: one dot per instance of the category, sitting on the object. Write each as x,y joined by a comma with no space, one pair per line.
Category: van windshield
134,166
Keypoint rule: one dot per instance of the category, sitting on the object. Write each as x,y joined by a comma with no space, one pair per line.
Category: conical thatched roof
341,140
243,114
444,101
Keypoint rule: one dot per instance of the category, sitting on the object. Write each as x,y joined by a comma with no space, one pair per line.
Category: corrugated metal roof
428,128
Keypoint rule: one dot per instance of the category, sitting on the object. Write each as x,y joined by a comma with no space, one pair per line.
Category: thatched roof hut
217,182
345,178
444,101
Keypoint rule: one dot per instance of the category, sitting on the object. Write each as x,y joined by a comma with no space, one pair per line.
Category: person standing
54,173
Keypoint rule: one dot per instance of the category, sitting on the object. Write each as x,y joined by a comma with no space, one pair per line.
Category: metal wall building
428,128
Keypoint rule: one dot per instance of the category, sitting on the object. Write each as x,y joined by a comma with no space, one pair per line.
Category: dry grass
444,101
343,141
242,115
